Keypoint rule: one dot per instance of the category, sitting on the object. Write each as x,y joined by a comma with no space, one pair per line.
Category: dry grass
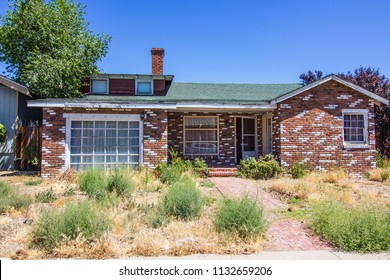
132,236
378,175
335,184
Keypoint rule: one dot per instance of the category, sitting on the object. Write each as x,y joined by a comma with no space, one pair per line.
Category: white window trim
143,81
101,117
100,79
363,112
184,135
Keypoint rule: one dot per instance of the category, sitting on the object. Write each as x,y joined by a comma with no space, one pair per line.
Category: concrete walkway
282,255
283,235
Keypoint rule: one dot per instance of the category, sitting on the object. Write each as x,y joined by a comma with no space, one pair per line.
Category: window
99,86
355,126
144,87
104,143
200,135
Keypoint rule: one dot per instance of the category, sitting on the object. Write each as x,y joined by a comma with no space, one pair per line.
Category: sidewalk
279,255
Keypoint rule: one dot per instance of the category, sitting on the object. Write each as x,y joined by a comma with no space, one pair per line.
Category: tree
3,134
371,80
47,46
311,77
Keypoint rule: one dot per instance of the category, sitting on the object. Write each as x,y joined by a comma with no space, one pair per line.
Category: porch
222,139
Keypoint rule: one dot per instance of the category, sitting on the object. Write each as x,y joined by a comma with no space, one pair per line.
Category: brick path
293,235
283,235
236,187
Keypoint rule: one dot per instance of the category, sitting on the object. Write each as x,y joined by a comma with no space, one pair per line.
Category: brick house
133,119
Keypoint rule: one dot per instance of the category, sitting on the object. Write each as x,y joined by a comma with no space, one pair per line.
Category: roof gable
374,96
14,85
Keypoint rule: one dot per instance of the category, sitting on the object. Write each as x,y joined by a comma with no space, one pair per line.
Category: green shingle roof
229,92
205,93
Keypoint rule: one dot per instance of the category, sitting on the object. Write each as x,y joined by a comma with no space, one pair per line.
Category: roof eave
14,85
327,79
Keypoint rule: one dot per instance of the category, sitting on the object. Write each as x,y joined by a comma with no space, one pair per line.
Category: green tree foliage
370,79
3,133
47,46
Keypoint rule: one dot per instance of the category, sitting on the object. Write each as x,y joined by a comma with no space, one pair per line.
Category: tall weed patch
362,228
10,198
183,200
82,219
240,216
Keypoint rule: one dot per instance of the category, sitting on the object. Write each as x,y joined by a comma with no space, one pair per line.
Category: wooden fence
27,148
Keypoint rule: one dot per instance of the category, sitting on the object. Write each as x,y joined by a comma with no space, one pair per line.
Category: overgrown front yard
121,213
173,211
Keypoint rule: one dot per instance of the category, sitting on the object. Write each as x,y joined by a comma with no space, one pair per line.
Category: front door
246,144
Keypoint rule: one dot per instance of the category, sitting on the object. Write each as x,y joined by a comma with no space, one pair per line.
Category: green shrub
34,182
10,198
76,219
120,183
263,168
45,196
298,170
200,168
382,161
361,229
240,216
94,183
183,200
169,174
3,133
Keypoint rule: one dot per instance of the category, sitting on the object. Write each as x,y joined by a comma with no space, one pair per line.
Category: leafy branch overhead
48,47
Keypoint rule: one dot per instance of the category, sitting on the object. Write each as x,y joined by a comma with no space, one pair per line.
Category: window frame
200,129
143,81
101,117
356,144
100,79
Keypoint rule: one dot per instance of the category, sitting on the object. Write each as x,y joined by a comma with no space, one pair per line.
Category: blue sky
243,41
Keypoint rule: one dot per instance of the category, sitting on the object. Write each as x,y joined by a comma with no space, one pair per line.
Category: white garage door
104,143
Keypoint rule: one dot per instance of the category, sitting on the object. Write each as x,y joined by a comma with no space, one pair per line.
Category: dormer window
144,87
99,86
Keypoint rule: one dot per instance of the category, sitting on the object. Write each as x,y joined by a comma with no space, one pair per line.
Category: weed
45,196
120,183
93,182
298,170
382,161
299,214
384,175
33,182
54,226
208,200
361,228
183,200
207,184
10,198
240,216
69,191
295,200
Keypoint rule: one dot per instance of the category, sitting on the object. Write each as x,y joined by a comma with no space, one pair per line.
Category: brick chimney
157,61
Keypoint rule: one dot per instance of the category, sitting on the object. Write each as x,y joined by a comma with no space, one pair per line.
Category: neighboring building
13,110
134,119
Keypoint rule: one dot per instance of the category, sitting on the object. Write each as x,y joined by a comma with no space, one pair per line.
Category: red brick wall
54,139
227,136
157,61
309,128
126,87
